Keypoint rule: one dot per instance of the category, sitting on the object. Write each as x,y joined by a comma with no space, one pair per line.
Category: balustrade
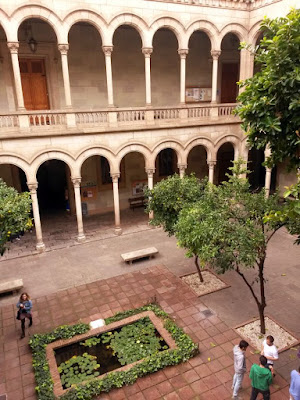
9,121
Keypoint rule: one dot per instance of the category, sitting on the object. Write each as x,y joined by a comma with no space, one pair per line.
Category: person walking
239,367
261,379
269,350
24,306
295,385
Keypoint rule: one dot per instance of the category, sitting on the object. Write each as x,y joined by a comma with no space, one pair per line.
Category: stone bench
11,286
136,255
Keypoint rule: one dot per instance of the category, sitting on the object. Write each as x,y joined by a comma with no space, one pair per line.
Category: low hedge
115,379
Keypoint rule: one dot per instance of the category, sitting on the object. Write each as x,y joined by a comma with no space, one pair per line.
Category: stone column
14,48
107,50
268,181
211,168
214,83
150,173
182,53
147,51
76,183
182,168
63,48
36,217
115,180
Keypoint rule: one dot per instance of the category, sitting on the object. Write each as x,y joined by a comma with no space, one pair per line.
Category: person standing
24,306
239,367
269,350
261,379
295,385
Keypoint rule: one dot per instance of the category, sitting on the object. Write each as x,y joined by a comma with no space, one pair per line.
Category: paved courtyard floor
90,281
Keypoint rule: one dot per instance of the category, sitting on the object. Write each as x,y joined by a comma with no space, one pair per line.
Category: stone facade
115,79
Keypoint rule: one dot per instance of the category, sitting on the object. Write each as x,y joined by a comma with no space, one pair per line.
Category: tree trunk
261,310
198,269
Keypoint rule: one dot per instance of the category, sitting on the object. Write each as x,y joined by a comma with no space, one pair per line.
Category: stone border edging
209,292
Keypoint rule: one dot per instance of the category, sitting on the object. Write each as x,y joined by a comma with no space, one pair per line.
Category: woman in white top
269,350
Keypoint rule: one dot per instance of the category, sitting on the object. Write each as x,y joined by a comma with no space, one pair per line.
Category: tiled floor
207,376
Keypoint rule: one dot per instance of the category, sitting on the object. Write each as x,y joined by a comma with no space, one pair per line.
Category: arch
237,29
206,27
94,151
39,12
86,16
134,147
254,32
206,143
175,26
235,141
128,19
18,162
4,23
168,144
51,155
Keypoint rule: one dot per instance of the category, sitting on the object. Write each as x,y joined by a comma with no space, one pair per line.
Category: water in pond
104,353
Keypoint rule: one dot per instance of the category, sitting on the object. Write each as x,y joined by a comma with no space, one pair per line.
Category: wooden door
229,87
34,84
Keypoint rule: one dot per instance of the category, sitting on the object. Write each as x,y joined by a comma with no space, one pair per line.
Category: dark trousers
23,324
255,392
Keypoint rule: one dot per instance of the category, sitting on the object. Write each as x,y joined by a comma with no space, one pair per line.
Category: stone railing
235,4
58,120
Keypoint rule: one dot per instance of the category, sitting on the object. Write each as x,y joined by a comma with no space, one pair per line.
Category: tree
270,103
169,197
14,213
226,229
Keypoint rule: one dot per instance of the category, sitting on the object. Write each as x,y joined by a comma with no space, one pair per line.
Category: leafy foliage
134,341
14,213
226,229
270,104
78,369
168,198
185,350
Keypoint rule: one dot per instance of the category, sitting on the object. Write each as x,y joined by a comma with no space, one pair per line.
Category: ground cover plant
150,363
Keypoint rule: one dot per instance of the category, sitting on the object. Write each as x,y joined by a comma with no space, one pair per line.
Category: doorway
34,84
229,87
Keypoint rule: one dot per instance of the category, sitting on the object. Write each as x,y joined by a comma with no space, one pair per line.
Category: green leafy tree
169,197
14,213
270,103
226,229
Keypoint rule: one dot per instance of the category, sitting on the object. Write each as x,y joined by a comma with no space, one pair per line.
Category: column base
40,247
118,231
81,238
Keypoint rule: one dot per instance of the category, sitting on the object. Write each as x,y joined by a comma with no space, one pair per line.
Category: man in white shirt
269,350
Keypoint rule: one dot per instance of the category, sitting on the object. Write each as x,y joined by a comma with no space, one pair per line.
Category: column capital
32,187
76,182
115,177
215,54
183,53
13,47
107,50
63,48
211,163
147,51
150,171
182,167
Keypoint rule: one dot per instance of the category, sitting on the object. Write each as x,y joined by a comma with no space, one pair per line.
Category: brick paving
207,376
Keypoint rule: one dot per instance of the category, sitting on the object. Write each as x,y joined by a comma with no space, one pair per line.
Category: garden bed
68,356
250,331
212,283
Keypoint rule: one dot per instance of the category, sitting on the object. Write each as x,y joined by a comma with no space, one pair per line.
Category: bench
11,286
136,255
135,202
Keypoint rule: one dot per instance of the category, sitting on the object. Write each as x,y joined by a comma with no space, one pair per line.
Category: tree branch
273,233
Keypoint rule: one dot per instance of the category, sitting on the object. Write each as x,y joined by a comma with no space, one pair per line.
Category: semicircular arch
234,140
254,33
43,13
168,144
128,19
175,26
206,143
18,162
94,151
236,29
89,17
137,148
206,27
52,155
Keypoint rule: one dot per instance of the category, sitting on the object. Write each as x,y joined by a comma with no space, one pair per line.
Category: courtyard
78,283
